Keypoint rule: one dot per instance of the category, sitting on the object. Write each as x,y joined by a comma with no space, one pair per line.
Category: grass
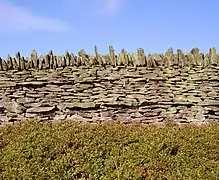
67,150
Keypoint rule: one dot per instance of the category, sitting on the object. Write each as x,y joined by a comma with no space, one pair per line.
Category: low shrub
67,150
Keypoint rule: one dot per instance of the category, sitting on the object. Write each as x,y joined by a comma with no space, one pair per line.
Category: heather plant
67,150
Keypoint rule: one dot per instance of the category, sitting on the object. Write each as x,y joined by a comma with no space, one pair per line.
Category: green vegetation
67,150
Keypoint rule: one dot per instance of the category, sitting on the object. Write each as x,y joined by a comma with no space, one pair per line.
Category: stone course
100,88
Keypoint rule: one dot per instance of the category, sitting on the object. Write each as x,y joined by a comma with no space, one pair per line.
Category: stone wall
127,87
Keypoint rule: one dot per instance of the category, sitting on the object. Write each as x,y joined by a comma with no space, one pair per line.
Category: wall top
169,59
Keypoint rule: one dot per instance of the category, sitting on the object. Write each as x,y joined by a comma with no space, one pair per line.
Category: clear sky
154,25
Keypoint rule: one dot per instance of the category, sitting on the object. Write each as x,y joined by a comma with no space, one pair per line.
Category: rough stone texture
127,87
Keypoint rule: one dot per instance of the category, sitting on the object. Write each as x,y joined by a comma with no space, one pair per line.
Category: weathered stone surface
14,107
1,105
4,119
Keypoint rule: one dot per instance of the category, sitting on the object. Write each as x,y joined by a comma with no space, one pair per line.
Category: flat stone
209,103
144,110
197,108
140,80
53,88
136,115
42,79
111,78
60,117
85,105
12,115
33,83
59,82
31,115
5,84
38,104
213,117
132,76
76,117
66,86
40,109
34,95
179,98
194,99
168,103
25,100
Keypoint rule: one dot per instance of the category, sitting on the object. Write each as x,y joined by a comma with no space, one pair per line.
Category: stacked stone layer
127,87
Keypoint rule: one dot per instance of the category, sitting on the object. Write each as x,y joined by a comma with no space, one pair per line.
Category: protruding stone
15,63
72,60
169,57
34,58
59,61
125,56
63,60
41,62
141,57
55,64
158,59
9,62
151,63
84,57
206,60
22,63
197,58
121,61
181,58
135,59
18,57
97,56
1,66
78,61
112,55
68,58
51,59
214,59
30,64
47,61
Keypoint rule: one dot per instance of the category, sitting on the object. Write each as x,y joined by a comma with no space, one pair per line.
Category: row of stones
51,61
101,94
97,74
152,113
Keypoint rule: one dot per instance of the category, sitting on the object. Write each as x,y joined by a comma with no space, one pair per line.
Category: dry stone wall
127,87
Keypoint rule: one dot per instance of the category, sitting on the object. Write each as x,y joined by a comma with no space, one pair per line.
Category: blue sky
154,25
